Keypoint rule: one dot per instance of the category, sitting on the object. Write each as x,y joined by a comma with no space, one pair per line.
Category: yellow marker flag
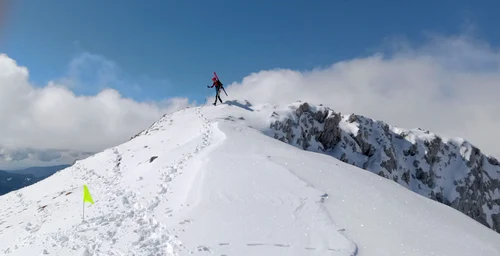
86,195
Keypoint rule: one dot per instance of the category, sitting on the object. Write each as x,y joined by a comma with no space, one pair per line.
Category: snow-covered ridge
207,181
450,171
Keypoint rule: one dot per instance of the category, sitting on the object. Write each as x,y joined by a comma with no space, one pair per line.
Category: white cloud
54,118
27,157
450,85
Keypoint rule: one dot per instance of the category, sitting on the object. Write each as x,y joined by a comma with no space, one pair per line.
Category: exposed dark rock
406,157
152,158
493,161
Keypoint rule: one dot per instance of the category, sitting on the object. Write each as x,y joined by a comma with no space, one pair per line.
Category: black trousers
217,96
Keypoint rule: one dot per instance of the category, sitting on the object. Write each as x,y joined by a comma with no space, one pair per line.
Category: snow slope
207,181
16,179
13,181
451,171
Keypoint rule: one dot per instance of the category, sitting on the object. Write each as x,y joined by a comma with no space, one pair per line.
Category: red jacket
216,83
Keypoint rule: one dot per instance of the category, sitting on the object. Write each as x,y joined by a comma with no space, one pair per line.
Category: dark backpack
218,83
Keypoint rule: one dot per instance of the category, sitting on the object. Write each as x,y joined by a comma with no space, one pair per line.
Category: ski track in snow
319,239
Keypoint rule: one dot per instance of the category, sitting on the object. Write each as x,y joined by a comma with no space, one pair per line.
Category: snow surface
450,171
208,181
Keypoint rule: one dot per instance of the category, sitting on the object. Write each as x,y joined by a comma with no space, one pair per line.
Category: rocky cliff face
450,171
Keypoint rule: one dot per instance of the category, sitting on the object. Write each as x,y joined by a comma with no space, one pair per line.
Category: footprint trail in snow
207,181
107,234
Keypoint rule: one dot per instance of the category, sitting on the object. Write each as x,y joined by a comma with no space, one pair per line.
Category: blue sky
166,48
159,52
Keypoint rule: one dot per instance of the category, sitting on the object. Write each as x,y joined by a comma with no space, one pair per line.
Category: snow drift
208,180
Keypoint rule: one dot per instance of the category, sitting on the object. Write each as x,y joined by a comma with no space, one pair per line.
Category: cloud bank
450,86
54,118
19,158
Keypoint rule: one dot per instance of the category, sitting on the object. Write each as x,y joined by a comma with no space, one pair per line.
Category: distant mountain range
16,179
41,171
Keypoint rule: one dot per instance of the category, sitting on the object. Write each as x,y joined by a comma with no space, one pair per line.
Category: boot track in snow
153,236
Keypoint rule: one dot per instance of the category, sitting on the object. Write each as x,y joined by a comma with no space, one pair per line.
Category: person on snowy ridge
218,86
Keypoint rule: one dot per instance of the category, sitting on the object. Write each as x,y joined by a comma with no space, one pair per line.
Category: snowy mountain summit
216,181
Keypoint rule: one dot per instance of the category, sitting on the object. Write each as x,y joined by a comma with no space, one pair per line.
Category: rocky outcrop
450,171
323,126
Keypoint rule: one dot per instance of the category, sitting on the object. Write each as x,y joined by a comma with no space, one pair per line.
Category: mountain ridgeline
17,179
12,181
451,171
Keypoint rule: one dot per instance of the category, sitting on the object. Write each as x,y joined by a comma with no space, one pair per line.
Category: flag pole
86,198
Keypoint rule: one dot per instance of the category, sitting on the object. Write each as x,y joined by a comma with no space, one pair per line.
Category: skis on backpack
215,74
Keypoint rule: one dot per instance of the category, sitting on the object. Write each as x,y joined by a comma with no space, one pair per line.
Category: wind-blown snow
208,181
